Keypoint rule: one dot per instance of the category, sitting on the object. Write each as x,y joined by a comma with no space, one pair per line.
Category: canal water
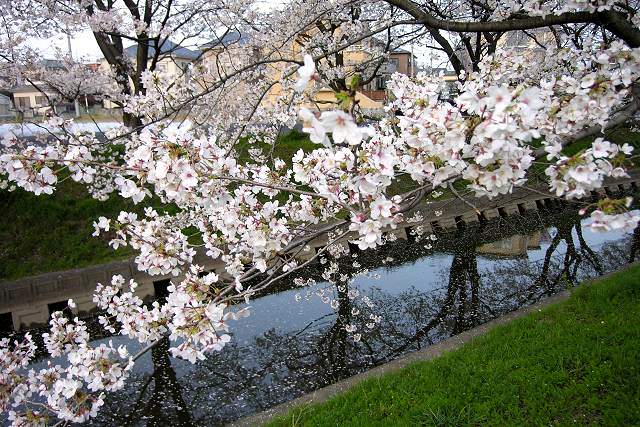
400,299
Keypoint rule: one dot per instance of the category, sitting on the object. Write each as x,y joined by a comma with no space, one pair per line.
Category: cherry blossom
183,141
306,73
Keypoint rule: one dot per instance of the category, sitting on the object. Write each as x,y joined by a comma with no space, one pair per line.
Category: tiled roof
229,38
168,48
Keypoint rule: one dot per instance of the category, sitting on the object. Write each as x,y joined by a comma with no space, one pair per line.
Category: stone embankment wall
29,301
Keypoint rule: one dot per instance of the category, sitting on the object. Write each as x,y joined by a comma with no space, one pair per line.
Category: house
400,61
35,100
51,64
37,97
225,41
218,56
173,59
531,45
448,76
533,42
93,66
516,246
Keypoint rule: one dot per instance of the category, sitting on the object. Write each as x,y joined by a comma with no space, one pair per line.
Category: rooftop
167,48
227,39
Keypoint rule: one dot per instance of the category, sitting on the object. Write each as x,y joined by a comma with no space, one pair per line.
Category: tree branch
615,22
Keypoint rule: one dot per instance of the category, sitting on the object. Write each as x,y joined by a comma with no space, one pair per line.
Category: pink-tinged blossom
248,211
381,208
306,73
312,126
342,127
601,222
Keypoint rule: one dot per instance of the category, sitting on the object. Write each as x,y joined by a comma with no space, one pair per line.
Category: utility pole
69,44
413,63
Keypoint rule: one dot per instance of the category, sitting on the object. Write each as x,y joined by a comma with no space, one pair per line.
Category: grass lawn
577,362
53,232
39,234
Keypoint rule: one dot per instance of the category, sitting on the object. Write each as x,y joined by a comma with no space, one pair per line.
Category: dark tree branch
615,22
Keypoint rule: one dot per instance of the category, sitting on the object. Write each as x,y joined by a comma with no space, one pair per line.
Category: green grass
289,144
285,148
53,232
576,362
48,233
45,233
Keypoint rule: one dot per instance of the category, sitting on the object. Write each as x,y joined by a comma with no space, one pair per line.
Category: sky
84,46
85,49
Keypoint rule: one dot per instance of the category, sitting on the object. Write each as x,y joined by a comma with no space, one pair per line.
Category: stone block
470,217
21,293
45,287
511,209
124,270
71,283
490,214
447,223
400,233
530,205
94,276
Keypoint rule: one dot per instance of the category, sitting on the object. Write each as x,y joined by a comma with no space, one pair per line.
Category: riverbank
576,361
49,233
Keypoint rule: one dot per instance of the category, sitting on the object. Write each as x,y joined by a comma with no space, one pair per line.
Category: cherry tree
182,138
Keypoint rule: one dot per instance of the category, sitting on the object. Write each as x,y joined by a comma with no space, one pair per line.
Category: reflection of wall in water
512,247
28,302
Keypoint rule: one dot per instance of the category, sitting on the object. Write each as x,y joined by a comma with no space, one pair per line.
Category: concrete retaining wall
28,299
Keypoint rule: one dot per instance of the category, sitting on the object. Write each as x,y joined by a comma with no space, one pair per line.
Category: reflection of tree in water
572,260
157,399
277,367
558,270
635,245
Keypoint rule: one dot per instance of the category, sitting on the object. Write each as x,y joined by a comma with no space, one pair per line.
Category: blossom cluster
576,176
71,393
255,211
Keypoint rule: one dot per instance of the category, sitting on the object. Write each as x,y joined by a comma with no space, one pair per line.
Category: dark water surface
423,295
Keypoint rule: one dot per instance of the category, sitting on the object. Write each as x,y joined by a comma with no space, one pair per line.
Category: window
23,102
381,83
395,62
161,67
41,101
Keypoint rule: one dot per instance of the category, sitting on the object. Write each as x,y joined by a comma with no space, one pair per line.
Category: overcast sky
84,47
